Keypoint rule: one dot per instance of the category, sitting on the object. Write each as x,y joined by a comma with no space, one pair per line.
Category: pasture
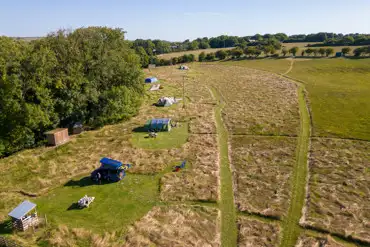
245,136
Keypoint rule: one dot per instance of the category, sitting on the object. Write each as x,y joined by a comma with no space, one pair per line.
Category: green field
115,205
339,93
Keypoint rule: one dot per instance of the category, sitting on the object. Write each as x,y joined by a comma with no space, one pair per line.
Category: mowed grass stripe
291,228
229,232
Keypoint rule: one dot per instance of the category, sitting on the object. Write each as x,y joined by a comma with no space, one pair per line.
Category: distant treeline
90,75
257,51
161,46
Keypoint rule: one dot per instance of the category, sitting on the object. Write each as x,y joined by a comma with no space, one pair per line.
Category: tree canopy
89,75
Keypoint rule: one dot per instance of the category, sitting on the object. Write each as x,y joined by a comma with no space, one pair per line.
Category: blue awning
110,162
22,209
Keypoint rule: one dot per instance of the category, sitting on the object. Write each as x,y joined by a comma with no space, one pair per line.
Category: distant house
57,137
24,216
158,124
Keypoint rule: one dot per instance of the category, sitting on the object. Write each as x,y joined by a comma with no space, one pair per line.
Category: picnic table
85,201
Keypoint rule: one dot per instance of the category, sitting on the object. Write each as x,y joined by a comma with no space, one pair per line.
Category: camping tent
183,67
151,80
158,124
166,101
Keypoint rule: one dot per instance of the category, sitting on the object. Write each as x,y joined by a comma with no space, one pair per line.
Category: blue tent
151,80
109,163
159,124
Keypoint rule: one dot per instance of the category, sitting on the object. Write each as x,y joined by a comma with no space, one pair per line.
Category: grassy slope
339,91
291,228
229,232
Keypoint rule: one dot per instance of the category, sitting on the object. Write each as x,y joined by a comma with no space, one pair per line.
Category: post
183,92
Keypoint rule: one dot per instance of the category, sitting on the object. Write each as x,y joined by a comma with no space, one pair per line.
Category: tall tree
322,51
293,50
346,50
329,51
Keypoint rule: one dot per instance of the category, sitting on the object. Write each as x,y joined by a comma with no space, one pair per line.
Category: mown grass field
339,93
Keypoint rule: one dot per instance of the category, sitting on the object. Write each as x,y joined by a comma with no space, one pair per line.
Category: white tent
167,101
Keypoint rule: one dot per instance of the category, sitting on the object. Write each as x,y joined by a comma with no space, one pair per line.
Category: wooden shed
24,216
57,136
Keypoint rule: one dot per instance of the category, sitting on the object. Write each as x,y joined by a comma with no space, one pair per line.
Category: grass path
229,232
291,228
290,67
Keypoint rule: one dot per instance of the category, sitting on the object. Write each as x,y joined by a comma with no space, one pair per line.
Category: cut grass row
291,228
229,232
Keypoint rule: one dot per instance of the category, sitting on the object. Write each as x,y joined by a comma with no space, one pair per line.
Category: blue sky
177,20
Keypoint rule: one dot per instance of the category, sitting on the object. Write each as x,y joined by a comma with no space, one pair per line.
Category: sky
177,20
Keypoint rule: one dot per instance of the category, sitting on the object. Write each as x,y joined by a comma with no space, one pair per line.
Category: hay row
262,169
201,180
176,226
339,188
309,241
258,102
253,233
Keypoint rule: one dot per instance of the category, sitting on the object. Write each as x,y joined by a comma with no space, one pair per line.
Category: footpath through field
291,228
229,232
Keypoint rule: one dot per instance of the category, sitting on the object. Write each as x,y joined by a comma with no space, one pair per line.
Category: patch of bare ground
339,188
255,233
310,241
200,181
257,102
262,167
176,226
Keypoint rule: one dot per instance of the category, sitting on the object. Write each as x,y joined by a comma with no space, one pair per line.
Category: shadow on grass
140,129
6,227
74,206
86,181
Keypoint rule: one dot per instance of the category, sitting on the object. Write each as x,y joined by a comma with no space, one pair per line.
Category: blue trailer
110,170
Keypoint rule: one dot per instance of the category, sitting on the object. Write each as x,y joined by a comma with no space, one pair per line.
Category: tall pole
183,92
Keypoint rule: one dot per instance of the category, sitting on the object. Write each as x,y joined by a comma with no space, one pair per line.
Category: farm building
158,124
24,216
151,80
57,136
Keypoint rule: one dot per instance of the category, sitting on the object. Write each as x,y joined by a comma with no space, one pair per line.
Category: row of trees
90,75
294,51
155,47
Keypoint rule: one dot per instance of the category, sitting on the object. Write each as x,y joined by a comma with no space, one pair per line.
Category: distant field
195,52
